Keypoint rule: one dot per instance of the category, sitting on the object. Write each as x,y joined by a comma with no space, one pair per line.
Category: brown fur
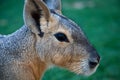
27,53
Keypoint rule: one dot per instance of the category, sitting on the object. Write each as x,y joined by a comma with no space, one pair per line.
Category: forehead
75,31
66,22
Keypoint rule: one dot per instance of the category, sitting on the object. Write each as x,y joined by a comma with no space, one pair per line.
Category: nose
93,62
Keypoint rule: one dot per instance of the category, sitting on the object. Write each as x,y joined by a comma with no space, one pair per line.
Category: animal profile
46,38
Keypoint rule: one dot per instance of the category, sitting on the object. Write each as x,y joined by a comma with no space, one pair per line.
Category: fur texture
26,54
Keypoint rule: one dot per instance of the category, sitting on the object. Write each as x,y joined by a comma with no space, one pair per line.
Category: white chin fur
90,71
86,69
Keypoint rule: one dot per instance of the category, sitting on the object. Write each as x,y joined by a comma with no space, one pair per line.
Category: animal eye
61,37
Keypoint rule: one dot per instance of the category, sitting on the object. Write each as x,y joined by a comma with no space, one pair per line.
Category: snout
94,61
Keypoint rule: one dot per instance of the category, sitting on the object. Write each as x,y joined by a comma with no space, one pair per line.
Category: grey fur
15,47
24,55
53,4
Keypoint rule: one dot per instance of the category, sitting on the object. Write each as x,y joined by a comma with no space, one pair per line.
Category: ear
33,11
54,4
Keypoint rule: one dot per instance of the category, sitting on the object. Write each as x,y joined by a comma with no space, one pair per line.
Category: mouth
87,69
92,65
90,71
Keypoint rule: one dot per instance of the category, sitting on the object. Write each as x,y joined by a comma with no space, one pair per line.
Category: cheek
65,56
57,59
75,67
77,64
60,59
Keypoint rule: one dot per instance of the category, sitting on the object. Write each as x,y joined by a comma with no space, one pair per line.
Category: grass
100,21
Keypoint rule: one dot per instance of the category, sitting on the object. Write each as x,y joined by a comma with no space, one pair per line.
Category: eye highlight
61,37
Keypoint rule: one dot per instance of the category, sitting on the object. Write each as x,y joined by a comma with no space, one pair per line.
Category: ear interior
36,16
33,11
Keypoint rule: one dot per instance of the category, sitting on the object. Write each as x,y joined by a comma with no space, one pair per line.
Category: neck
19,41
38,68
22,43
42,69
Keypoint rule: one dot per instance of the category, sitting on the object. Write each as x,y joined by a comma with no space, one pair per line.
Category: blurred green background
100,20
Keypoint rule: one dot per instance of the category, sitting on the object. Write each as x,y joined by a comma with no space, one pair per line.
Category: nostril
92,64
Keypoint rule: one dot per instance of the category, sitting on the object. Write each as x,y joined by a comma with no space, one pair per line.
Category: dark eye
61,37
